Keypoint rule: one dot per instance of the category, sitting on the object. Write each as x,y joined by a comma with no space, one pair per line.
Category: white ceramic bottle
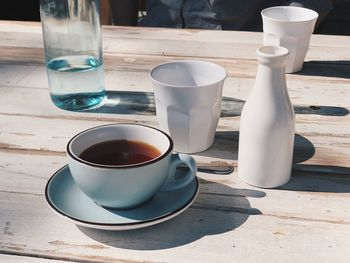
267,124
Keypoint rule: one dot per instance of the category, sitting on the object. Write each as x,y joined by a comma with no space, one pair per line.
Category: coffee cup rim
154,160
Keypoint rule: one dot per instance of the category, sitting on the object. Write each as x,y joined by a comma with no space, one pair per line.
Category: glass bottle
73,52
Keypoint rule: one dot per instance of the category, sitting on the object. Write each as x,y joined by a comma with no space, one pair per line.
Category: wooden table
307,220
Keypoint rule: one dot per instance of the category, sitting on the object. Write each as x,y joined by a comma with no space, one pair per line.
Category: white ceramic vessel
267,124
188,102
290,27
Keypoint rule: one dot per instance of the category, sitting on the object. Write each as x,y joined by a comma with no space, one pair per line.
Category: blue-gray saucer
67,200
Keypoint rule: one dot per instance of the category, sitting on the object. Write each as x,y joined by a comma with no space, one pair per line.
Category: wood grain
306,220
23,259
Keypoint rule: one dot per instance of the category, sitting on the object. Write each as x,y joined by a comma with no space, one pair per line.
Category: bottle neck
274,76
272,61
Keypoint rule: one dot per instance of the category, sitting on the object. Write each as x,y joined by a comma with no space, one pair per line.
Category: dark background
25,10
336,23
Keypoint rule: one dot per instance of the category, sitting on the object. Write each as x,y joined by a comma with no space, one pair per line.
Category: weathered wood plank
15,258
306,220
323,150
331,96
330,71
24,100
174,42
224,201
126,73
306,192
217,231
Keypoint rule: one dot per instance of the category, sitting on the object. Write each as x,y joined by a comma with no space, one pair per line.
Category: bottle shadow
303,149
225,146
142,103
315,178
337,68
319,178
305,177
217,209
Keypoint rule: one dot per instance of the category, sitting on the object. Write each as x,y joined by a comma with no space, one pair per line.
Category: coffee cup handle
172,183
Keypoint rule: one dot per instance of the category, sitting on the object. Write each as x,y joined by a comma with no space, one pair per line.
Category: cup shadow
217,209
142,103
337,68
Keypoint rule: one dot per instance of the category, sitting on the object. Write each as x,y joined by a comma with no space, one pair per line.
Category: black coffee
120,152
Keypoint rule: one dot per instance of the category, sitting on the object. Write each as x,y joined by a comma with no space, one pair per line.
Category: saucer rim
119,226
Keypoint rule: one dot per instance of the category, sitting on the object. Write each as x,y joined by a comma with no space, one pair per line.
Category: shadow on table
127,102
142,103
305,177
319,178
315,178
217,209
303,149
337,68
231,107
225,146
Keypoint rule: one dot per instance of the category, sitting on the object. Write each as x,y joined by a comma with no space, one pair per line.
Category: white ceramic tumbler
188,102
290,27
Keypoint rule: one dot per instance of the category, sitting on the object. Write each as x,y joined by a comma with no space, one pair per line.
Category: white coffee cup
290,27
188,102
